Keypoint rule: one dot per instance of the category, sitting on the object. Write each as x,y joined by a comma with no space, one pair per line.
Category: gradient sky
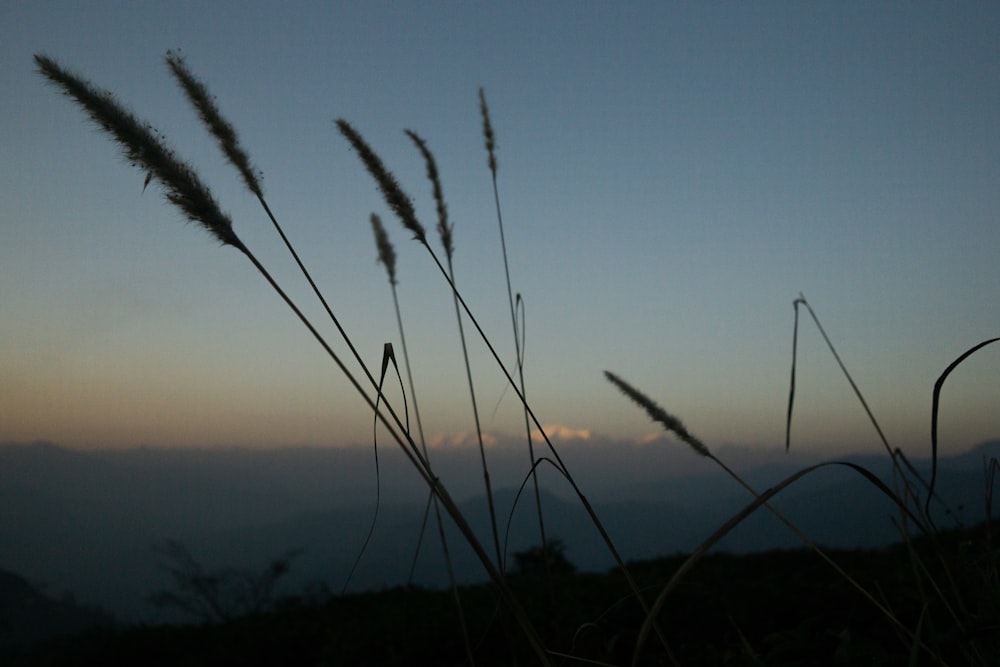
672,175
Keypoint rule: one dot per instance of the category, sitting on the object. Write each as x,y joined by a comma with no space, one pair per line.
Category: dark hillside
782,607
27,615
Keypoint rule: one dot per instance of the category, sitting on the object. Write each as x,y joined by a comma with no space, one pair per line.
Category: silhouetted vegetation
774,608
217,595
550,559
930,600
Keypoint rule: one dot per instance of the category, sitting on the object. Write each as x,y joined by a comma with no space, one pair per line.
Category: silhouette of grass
143,147
938,584
186,191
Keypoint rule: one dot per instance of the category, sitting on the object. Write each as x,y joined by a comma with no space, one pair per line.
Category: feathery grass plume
488,132
658,414
386,253
223,131
398,200
143,147
443,227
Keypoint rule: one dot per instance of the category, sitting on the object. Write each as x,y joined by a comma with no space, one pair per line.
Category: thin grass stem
387,257
489,139
447,242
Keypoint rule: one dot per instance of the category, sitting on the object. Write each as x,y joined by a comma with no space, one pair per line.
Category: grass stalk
908,492
387,353
447,242
387,257
144,149
857,392
489,140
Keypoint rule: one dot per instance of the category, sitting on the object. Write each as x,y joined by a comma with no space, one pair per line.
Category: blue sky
672,175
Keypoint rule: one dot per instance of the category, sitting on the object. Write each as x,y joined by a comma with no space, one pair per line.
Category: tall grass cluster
940,582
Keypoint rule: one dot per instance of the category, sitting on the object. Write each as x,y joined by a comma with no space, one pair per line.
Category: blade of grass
935,405
791,385
387,356
908,492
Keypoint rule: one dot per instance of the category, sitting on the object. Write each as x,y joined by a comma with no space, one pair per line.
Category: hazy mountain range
87,522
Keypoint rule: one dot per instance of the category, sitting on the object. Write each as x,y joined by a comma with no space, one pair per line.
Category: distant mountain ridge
87,522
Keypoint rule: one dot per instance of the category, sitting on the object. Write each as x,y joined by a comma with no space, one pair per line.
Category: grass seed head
144,147
398,201
443,226
484,110
197,93
658,414
386,253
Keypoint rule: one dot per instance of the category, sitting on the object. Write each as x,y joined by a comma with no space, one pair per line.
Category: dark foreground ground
775,608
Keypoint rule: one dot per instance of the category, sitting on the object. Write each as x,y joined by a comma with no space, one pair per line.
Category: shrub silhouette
217,595
550,559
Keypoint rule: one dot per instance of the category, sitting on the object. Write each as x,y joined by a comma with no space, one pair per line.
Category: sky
671,175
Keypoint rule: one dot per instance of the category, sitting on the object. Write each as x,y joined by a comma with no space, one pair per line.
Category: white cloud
461,439
650,437
562,433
